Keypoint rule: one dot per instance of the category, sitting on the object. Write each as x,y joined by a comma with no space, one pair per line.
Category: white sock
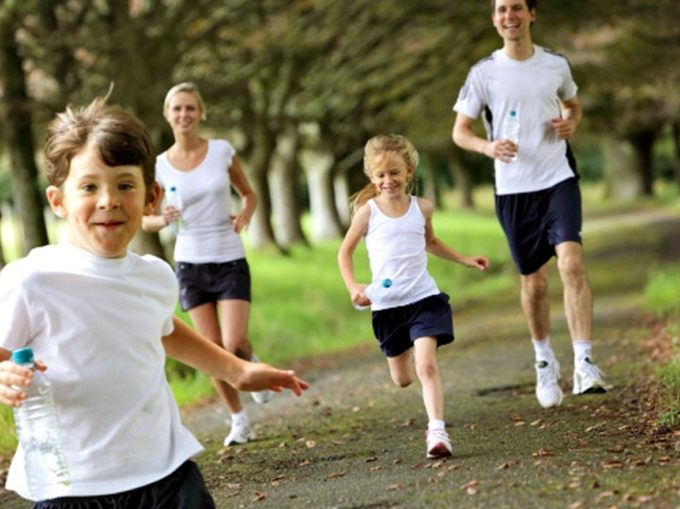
543,350
582,349
239,417
434,424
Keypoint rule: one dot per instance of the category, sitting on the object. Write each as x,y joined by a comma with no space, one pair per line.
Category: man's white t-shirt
98,324
532,88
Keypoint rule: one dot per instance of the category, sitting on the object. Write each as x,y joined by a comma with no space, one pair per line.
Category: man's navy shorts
397,328
534,223
200,283
183,489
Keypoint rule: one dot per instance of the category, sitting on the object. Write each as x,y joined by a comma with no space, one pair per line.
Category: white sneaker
588,378
240,433
548,390
438,444
260,397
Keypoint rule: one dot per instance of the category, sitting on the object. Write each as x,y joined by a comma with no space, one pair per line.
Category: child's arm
189,347
435,246
353,237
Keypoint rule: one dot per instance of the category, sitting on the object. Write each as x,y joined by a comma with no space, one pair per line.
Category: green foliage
8,439
662,294
668,376
662,298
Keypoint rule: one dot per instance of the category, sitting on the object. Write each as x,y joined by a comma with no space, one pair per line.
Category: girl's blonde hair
190,87
376,147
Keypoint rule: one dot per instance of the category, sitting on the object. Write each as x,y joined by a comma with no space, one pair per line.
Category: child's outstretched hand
13,375
477,262
259,377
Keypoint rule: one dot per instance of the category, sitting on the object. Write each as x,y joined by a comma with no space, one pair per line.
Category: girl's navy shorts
200,283
183,489
534,223
397,328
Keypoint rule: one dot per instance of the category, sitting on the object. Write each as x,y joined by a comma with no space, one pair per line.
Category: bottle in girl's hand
375,291
47,474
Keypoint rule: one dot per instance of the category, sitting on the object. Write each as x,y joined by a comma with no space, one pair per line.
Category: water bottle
47,474
175,200
375,291
510,130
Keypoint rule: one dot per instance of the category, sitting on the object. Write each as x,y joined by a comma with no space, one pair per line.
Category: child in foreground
101,319
411,317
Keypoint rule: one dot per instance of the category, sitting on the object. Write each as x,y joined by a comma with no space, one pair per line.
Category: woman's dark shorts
200,283
183,489
397,328
534,223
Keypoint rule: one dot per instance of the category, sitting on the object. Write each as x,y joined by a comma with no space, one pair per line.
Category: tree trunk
318,165
621,180
18,120
256,164
462,180
676,145
643,145
284,181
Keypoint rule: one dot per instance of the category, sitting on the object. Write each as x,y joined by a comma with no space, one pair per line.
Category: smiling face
513,19
103,204
390,174
183,112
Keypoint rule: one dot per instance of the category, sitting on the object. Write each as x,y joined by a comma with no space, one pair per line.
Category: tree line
299,85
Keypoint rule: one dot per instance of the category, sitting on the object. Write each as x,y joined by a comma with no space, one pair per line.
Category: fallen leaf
470,484
336,474
612,464
543,452
394,487
259,496
310,443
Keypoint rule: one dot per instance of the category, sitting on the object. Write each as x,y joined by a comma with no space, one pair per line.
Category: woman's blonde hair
190,87
376,147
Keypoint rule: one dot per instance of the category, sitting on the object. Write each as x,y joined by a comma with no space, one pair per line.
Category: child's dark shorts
535,222
183,489
200,283
397,328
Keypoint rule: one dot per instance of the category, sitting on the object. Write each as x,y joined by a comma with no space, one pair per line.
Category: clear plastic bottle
375,291
47,474
175,200
510,130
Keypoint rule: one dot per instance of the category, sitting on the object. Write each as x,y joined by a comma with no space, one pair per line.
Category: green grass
662,299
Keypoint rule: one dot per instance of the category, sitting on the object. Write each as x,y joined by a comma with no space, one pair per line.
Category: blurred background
299,85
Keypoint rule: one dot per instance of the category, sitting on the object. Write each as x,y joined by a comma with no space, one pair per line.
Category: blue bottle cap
387,282
23,356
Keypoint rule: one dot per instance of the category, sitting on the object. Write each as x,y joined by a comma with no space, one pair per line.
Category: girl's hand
240,221
358,296
477,262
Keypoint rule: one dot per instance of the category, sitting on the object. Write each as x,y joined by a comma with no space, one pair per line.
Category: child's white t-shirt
207,234
98,324
396,251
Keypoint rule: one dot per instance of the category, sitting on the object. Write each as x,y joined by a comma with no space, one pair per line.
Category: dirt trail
355,441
